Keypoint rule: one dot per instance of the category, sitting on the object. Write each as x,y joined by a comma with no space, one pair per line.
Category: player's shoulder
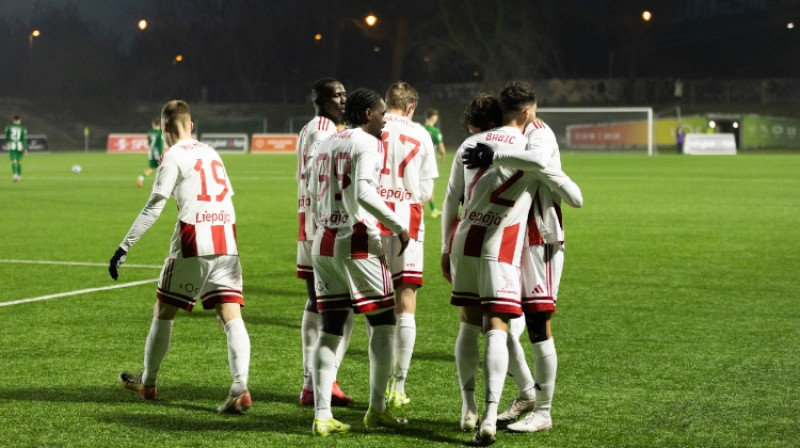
538,127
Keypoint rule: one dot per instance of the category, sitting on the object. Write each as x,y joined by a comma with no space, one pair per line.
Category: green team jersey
436,134
156,143
16,137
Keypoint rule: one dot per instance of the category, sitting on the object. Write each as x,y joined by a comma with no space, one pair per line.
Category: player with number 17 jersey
194,173
408,159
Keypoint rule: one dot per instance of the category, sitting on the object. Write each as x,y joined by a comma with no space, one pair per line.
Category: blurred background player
431,118
406,183
155,143
17,146
203,258
348,257
329,97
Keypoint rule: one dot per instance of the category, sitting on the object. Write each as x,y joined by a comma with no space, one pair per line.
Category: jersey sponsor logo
399,194
489,218
221,217
335,218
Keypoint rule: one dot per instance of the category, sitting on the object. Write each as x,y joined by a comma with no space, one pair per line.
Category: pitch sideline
74,293
81,291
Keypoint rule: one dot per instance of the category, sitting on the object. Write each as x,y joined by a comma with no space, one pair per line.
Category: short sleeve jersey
194,174
344,228
156,144
496,202
316,130
545,224
16,137
435,133
408,158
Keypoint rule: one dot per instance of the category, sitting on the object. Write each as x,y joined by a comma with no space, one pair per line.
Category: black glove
479,156
116,261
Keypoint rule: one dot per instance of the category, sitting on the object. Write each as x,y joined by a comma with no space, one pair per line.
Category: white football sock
380,364
238,353
324,373
467,355
347,330
518,368
545,364
309,331
495,366
155,348
405,338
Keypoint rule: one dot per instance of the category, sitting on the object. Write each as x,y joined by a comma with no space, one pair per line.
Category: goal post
601,128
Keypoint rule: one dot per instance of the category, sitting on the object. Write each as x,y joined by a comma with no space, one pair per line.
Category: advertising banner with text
127,143
271,143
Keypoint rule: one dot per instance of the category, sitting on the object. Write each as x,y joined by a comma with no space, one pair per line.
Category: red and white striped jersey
409,157
545,223
496,201
344,228
318,129
194,174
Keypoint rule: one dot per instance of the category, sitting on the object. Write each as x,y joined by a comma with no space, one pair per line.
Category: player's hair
483,112
431,112
320,88
358,102
176,110
400,95
17,118
516,96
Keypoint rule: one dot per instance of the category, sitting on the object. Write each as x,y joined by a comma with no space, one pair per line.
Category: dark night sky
689,38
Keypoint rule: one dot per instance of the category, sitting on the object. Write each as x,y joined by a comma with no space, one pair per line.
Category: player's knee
386,317
537,325
311,304
333,321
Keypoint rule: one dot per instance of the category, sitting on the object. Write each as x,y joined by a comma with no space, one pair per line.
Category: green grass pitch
678,321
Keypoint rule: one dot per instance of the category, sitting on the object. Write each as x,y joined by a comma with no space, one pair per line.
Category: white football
76,169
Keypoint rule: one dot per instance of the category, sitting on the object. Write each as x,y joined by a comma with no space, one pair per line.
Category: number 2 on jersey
218,173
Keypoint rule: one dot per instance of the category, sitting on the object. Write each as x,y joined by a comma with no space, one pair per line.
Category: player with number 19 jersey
194,173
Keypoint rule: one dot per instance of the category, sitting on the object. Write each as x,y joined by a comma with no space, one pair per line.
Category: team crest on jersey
322,286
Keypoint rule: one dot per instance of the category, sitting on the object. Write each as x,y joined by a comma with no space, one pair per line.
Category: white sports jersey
408,158
545,224
344,228
496,201
318,129
194,174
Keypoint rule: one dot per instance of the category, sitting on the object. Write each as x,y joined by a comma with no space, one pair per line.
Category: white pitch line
74,293
77,263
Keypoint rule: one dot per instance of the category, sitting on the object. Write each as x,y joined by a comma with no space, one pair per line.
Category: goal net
617,129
